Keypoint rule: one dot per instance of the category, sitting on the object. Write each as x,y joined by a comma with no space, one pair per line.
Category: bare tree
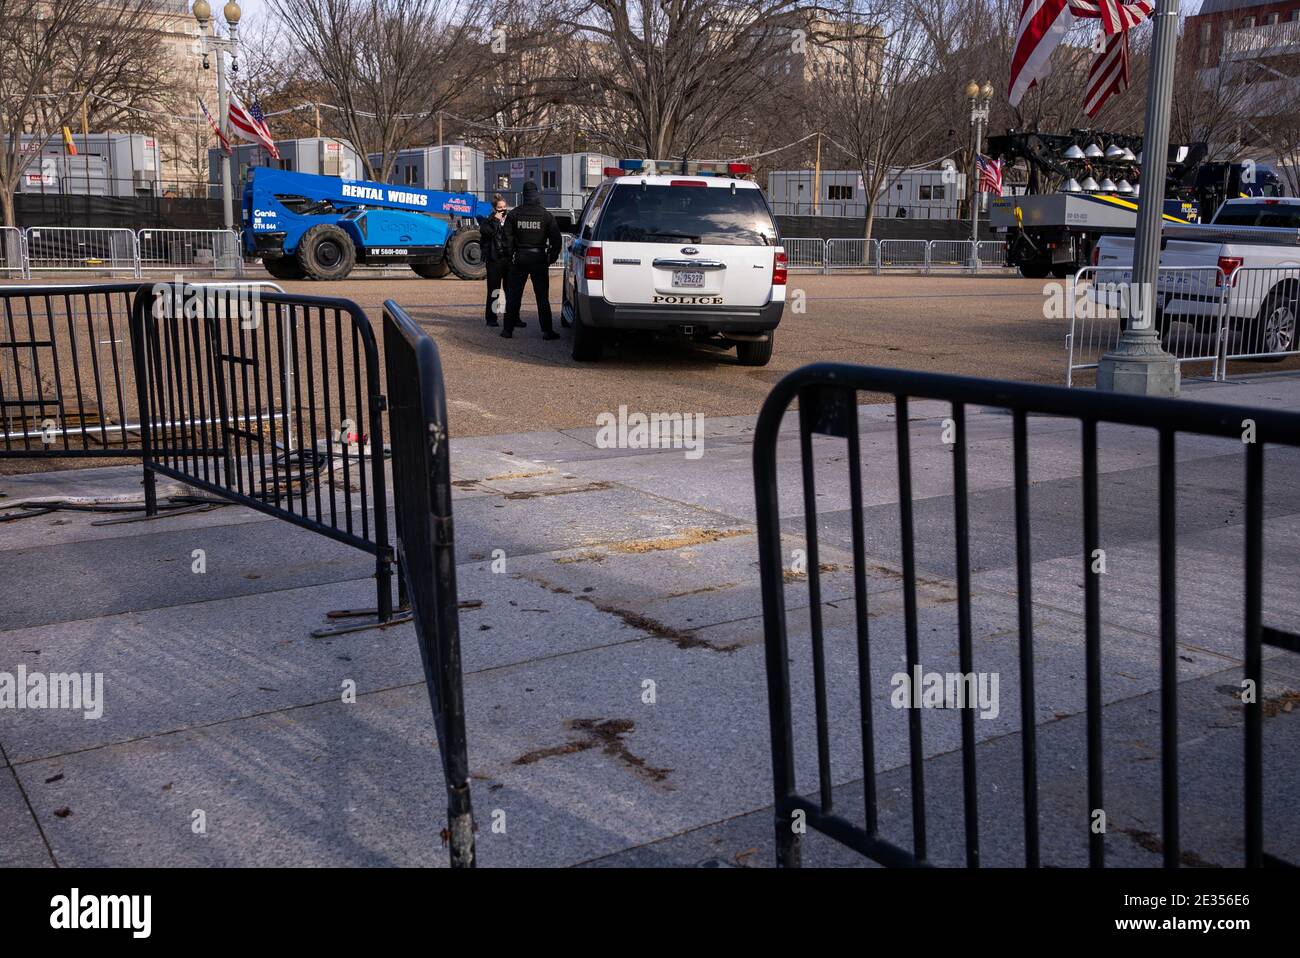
878,107
55,57
389,66
676,73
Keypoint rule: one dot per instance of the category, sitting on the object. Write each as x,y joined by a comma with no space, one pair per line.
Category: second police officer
532,238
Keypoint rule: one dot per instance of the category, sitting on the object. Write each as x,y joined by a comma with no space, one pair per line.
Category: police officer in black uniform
534,243
492,239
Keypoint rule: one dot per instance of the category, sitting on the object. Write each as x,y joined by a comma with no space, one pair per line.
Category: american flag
990,171
251,125
221,137
1043,24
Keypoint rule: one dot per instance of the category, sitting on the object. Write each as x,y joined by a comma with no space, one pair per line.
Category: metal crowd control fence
67,379
68,248
417,418
852,254
803,252
1189,315
1261,311
950,254
903,254
228,386
13,253
215,251
68,383
828,404
991,253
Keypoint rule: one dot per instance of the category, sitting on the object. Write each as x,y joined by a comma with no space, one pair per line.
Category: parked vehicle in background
688,250
1244,265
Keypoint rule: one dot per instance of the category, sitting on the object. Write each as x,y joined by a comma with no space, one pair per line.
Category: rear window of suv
687,214
1285,215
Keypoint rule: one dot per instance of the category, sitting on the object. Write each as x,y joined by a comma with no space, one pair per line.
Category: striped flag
221,137
1108,73
990,171
251,125
1043,23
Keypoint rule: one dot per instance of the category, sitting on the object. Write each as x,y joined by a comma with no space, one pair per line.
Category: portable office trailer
922,194
455,169
106,164
322,155
565,179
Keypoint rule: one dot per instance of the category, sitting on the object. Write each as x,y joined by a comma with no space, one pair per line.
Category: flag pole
1138,364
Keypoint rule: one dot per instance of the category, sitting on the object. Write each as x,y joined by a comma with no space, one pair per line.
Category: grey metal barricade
902,254
1261,310
1189,314
950,254
13,253
213,251
991,253
75,248
852,254
803,252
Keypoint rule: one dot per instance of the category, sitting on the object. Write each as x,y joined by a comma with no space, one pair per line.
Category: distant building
1231,31
565,179
106,164
324,155
919,194
455,169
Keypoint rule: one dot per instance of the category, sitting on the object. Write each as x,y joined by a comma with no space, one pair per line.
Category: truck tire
1034,270
588,343
465,254
1274,329
285,267
432,270
326,252
751,353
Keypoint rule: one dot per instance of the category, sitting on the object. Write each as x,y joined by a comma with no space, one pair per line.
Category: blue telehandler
319,227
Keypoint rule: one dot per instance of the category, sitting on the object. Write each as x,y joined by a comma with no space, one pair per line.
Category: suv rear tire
588,343
326,252
752,353
465,255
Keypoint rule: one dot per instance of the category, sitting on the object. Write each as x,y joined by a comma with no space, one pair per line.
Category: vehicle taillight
1096,255
1229,266
779,268
593,268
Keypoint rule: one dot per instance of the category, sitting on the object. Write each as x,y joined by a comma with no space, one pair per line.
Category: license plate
687,279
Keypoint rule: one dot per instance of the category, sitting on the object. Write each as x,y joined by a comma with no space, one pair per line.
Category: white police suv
682,249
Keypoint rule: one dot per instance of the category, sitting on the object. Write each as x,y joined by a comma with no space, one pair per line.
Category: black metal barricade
67,373
272,401
422,495
827,395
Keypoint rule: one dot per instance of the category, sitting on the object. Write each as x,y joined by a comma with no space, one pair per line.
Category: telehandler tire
432,270
326,252
465,254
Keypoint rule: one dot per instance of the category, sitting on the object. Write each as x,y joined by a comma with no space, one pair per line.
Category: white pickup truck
1243,267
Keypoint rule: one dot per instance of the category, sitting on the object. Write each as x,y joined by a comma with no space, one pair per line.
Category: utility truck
320,227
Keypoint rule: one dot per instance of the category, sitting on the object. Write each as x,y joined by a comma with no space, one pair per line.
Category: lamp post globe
972,88
202,12
231,12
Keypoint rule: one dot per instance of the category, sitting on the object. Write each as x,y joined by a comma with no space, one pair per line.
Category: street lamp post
1138,364
208,44
979,116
